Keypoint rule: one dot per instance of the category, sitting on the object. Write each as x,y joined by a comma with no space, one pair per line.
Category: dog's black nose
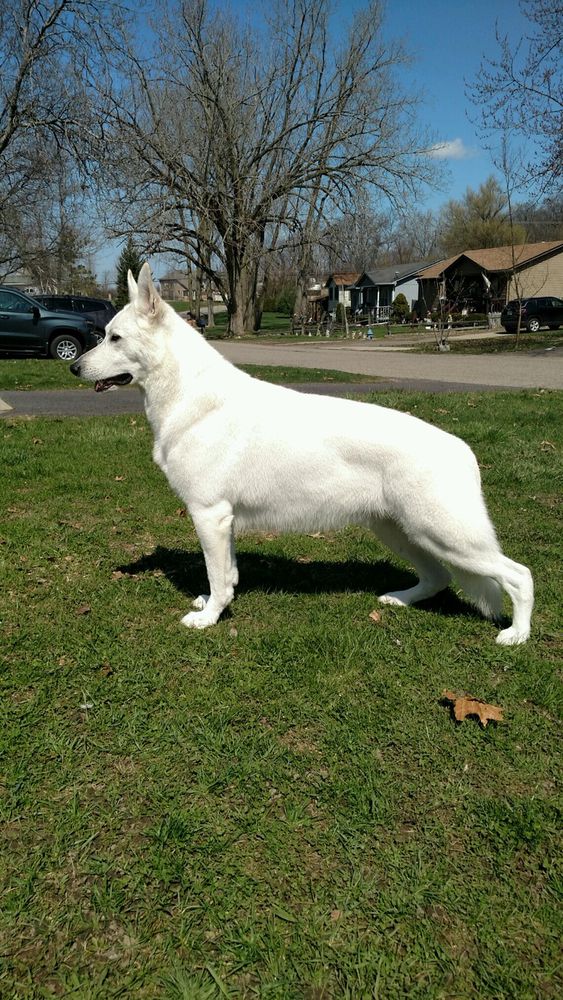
75,368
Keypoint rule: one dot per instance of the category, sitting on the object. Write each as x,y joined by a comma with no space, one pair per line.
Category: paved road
423,372
513,370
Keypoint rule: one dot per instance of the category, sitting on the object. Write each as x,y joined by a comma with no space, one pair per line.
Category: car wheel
533,324
65,347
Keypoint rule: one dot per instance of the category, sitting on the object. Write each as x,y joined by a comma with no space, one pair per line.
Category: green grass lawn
495,345
39,373
281,806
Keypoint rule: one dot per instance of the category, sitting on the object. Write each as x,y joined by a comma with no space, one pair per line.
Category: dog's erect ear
148,300
132,286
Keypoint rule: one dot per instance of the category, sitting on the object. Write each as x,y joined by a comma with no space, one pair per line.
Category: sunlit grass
281,806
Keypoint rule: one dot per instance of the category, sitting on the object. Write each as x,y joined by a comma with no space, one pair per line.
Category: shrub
400,308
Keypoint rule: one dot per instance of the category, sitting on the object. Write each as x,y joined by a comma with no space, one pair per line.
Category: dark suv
100,311
27,327
535,312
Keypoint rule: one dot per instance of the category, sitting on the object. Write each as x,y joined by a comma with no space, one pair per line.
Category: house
181,286
176,285
339,285
483,281
376,290
23,282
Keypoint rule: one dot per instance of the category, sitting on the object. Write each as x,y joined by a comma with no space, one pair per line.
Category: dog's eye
114,338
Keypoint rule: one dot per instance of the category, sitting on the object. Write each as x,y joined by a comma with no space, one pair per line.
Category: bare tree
257,135
49,49
521,92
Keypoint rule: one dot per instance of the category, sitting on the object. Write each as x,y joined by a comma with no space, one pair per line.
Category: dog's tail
484,592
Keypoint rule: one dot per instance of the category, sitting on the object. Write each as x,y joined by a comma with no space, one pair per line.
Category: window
11,302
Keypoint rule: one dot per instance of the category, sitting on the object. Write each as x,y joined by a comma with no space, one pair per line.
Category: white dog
248,455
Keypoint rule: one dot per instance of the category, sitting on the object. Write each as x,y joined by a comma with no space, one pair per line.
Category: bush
282,301
340,312
400,309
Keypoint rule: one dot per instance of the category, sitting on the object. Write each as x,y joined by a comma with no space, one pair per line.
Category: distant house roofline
496,259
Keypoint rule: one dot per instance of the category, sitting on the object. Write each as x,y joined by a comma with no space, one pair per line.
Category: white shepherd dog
252,456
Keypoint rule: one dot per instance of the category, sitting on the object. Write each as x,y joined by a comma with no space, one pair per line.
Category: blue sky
447,40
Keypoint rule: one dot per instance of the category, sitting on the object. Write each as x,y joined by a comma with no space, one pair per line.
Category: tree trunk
210,313
241,301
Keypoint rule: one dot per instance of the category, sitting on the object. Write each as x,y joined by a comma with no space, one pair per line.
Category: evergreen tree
400,308
129,260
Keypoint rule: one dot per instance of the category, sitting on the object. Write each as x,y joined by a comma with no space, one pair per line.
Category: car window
11,302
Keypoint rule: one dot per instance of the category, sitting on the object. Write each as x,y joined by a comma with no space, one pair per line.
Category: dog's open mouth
106,383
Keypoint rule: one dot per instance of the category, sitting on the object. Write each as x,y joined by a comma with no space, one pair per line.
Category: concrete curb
4,407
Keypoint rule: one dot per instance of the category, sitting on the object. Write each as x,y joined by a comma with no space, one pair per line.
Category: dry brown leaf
106,670
465,704
547,446
375,616
335,915
84,609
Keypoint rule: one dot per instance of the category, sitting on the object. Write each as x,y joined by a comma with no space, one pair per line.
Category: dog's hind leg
433,576
214,530
484,577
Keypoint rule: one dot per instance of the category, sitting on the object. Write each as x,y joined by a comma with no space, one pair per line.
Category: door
19,326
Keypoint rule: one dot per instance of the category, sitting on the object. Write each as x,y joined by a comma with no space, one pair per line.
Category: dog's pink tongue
100,386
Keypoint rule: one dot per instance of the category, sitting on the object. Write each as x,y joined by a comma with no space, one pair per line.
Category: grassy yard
495,345
39,373
280,807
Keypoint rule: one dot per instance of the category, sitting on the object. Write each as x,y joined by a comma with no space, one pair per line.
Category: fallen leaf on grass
84,609
547,446
106,670
375,616
465,704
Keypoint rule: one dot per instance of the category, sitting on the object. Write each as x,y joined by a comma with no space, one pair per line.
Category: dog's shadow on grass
279,574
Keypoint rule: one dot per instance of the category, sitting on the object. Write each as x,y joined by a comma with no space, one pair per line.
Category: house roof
343,277
392,273
496,258
175,276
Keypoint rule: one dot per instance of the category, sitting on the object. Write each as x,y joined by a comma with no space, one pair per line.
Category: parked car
27,327
545,310
100,311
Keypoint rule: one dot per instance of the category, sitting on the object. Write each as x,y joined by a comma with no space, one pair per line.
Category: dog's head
131,347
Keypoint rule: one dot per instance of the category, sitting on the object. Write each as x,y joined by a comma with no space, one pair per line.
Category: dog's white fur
246,454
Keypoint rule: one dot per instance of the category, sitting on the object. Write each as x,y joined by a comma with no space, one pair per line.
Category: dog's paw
199,619
200,602
391,599
512,637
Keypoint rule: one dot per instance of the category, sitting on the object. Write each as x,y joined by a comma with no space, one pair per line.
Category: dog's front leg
215,531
